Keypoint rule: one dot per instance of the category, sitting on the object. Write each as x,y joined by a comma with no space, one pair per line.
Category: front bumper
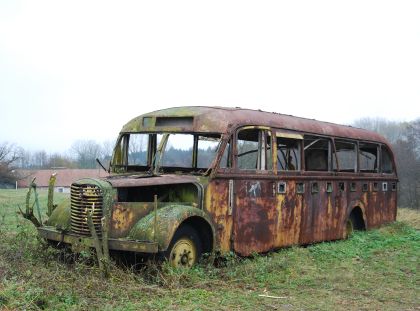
50,233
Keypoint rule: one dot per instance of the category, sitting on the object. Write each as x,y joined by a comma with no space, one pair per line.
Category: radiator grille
82,199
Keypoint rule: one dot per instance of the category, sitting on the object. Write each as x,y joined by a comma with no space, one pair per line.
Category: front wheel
185,248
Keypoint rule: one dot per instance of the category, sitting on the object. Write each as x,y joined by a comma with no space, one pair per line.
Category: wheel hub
183,254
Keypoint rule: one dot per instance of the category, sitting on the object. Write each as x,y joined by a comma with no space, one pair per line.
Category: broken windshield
180,152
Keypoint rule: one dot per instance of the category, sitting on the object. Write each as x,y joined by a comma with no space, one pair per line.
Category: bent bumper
50,233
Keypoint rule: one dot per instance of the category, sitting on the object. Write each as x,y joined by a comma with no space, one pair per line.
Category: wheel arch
168,220
357,211
204,230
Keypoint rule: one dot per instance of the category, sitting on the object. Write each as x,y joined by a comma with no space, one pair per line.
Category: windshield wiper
99,162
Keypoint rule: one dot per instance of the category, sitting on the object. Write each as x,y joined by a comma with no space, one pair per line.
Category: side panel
255,216
381,203
312,216
288,216
264,221
126,214
317,213
217,205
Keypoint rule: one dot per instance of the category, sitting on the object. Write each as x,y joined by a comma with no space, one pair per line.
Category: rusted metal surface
76,241
219,119
169,218
217,205
263,222
125,215
242,211
135,181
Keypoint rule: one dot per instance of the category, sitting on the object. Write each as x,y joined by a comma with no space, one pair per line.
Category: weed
376,269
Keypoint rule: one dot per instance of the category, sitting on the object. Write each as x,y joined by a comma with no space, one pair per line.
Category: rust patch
217,205
255,224
125,215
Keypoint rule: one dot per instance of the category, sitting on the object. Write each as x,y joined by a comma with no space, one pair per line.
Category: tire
185,249
355,222
350,224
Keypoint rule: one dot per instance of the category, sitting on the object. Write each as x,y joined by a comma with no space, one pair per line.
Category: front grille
82,199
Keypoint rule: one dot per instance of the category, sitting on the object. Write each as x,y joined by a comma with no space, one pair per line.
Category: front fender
60,217
168,220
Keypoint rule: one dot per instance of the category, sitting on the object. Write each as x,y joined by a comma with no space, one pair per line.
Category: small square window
365,187
329,187
281,187
394,186
341,186
375,186
314,187
147,121
300,187
384,186
352,186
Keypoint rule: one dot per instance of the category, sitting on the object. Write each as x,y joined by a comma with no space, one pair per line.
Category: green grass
374,270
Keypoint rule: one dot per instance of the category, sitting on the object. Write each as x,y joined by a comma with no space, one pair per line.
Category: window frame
330,151
378,151
267,133
391,160
286,134
356,155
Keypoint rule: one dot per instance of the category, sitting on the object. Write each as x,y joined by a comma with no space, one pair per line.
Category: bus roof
219,119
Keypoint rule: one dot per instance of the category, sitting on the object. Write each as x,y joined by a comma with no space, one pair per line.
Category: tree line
81,154
405,140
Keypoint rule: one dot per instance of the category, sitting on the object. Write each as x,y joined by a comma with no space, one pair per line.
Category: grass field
374,270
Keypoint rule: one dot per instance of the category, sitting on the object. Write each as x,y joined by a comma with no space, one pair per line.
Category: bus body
191,180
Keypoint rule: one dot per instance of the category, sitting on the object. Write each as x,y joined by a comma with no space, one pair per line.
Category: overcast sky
81,69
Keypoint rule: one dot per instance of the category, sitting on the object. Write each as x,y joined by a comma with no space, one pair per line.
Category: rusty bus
192,180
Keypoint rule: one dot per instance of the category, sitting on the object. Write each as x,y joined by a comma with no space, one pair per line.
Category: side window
288,153
119,151
206,150
225,162
316,152
386,161
254,150
368,157
345,152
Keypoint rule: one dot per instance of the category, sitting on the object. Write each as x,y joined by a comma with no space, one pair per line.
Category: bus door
254,219
290,190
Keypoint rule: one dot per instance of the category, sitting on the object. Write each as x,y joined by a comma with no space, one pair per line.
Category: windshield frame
119,162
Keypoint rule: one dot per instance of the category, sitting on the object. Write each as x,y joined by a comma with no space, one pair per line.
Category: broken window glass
316,153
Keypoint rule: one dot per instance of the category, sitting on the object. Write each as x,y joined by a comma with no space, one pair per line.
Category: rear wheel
349,226
185,249
354,222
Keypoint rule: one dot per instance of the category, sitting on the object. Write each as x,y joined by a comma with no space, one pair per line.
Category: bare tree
405,140
60,160
25,158
9,154
40,159
390,129
86,152
107,149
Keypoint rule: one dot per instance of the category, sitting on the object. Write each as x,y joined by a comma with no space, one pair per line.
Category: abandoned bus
192,180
